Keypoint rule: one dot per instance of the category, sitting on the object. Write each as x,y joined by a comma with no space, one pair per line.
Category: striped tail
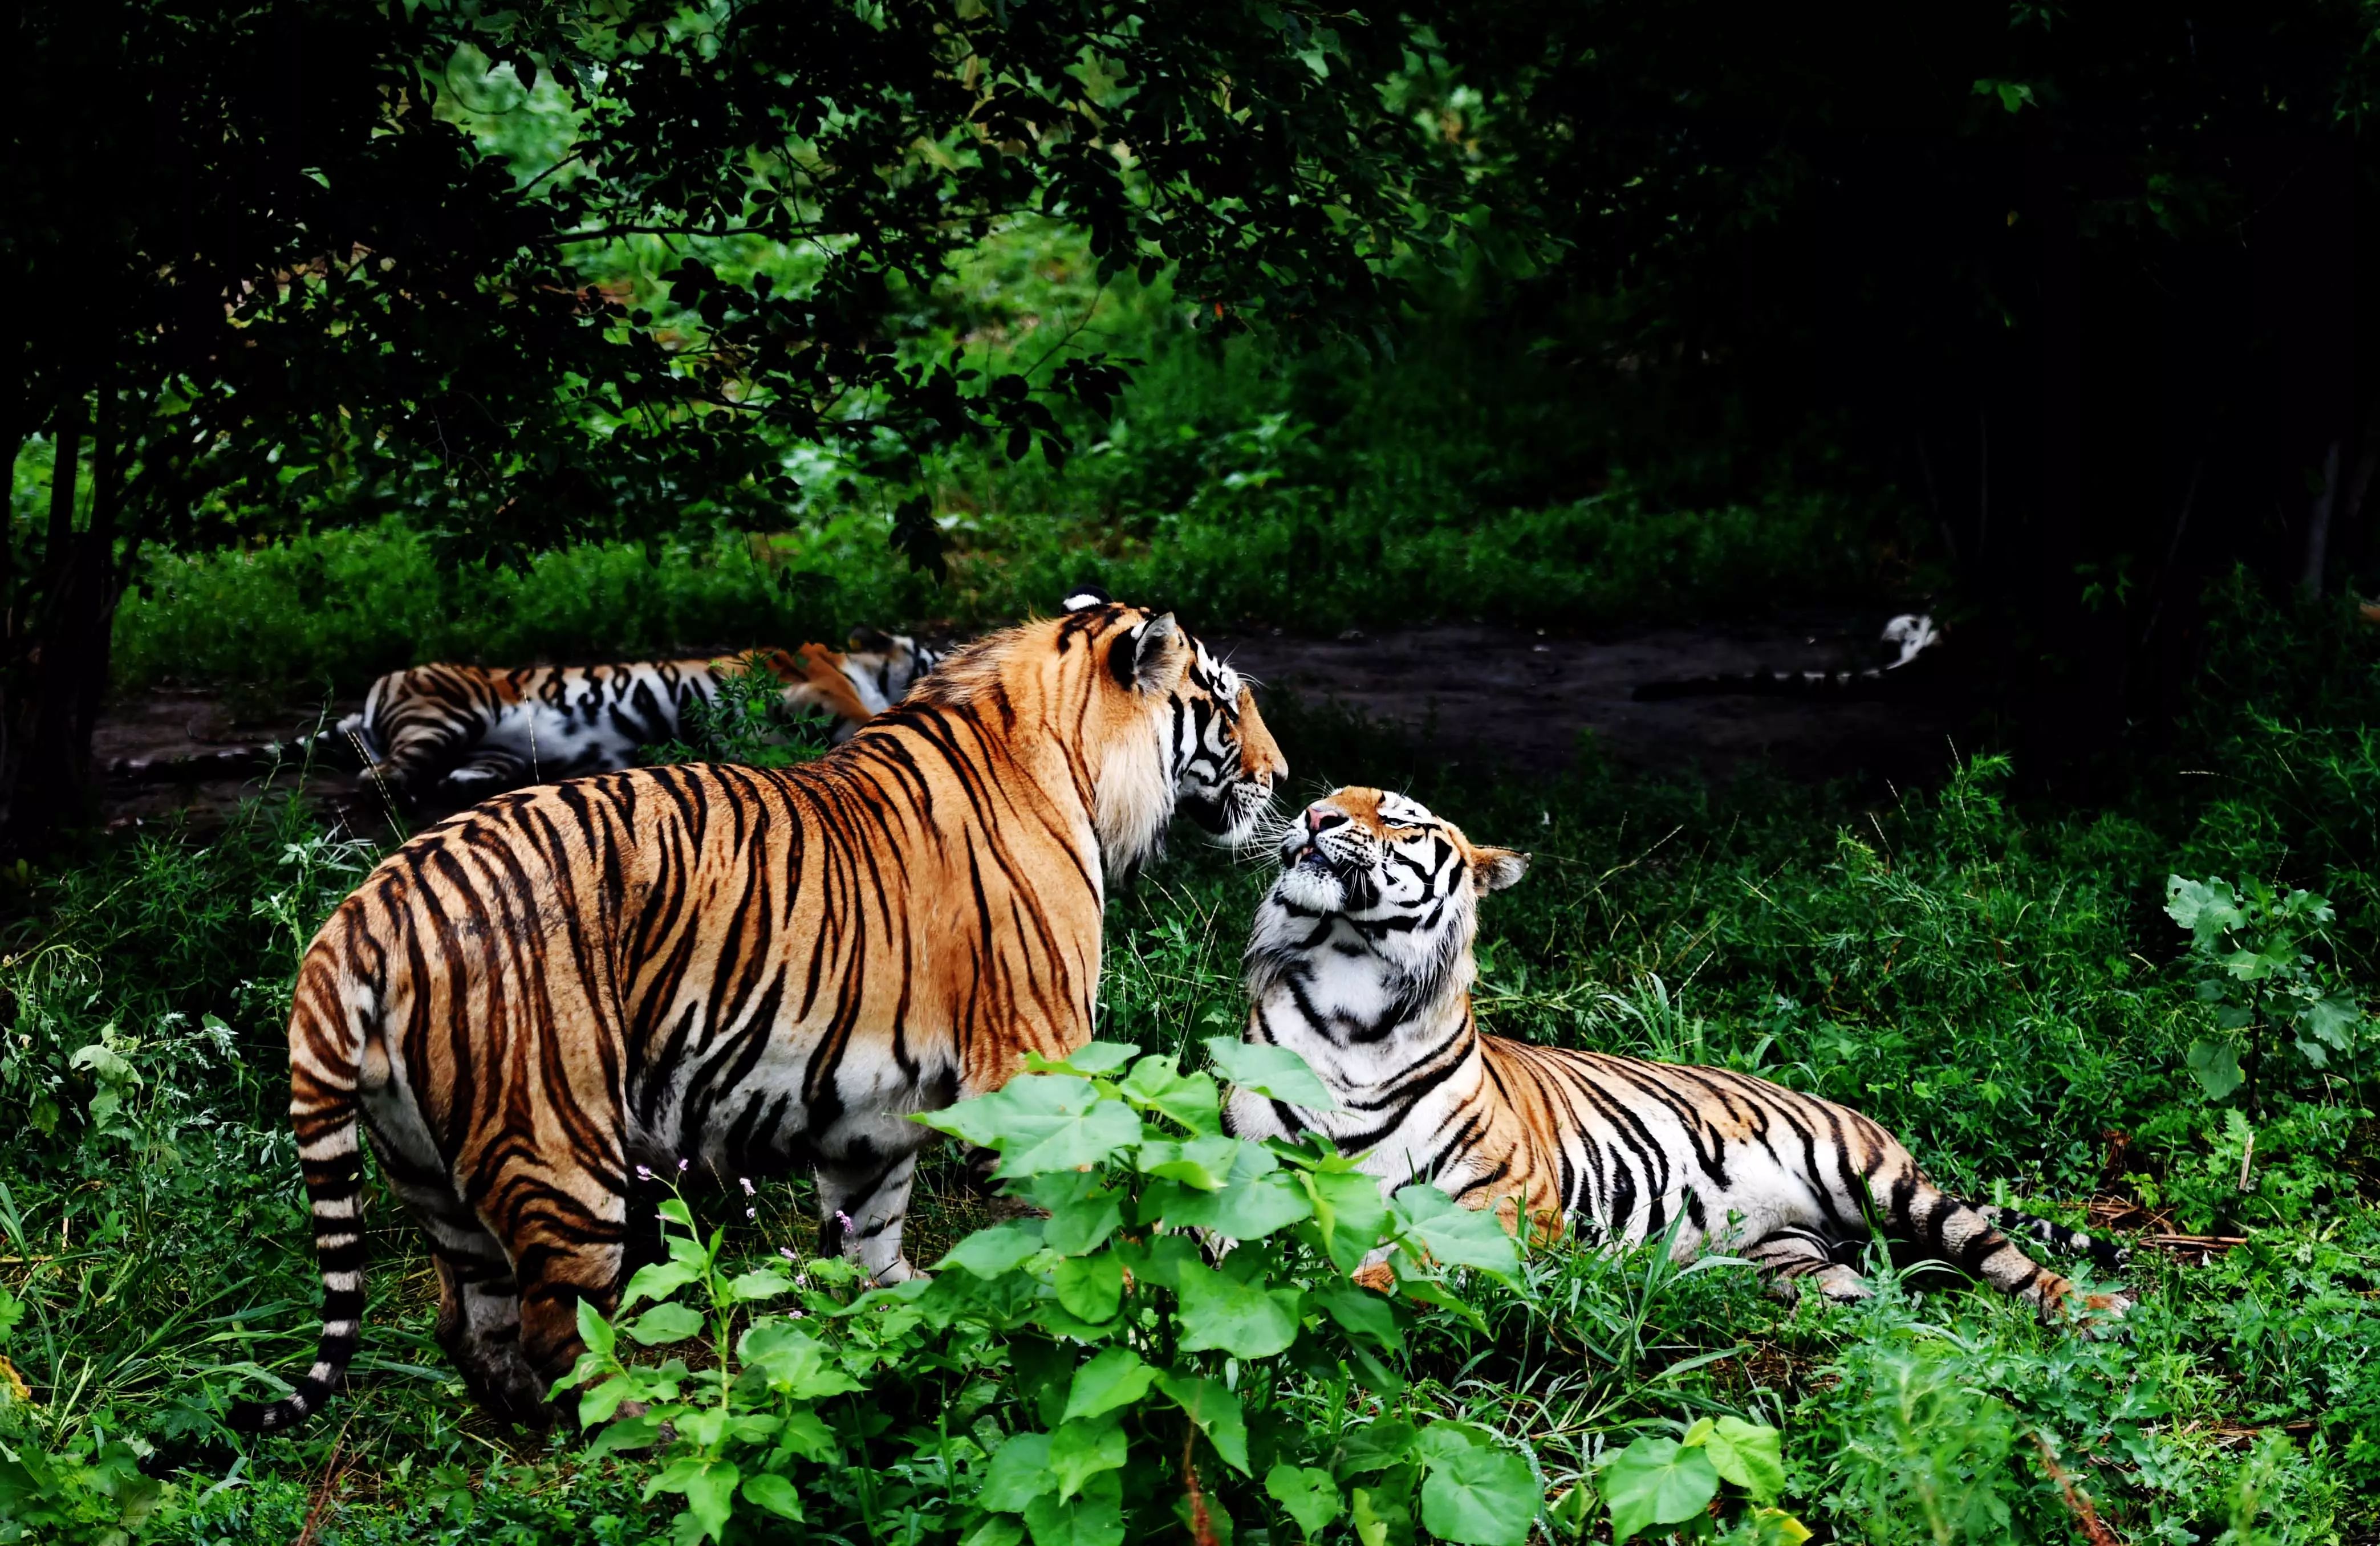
232,761
322,1107
1767,684
2107,1256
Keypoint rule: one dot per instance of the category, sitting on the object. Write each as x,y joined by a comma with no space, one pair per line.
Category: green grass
1994,981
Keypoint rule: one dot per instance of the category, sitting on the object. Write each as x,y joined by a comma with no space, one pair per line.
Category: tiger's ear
1082,598
1492,869
1138,658
864,638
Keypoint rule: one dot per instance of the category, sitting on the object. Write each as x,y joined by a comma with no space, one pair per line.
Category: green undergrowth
2018,990
336,609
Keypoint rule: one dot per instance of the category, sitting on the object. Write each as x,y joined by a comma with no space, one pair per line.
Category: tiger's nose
1321,818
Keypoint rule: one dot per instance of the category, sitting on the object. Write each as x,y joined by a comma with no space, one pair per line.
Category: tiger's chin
1311,889
1233,820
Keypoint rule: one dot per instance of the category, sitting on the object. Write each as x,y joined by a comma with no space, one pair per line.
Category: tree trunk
2317,544
66,676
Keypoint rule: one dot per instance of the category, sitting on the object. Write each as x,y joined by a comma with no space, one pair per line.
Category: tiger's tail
324,1079
2107,1256
1767,684
230,762
1971,1236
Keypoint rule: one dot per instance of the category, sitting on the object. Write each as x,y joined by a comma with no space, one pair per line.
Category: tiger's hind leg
863,1202
1798,1260
479,1306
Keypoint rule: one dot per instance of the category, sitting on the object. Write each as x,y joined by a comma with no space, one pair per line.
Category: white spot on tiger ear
1084,600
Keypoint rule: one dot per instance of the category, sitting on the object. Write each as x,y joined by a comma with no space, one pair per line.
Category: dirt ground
1508,700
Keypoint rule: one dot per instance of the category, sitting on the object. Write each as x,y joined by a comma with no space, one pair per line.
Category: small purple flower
787,1252
751,1213
644,1172
843,1221
684,1165
746,1182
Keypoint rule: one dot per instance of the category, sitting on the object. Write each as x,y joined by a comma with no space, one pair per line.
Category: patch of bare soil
1523,702
1505,699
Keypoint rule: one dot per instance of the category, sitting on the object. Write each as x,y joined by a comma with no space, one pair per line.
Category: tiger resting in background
1361,963
464,733
747,968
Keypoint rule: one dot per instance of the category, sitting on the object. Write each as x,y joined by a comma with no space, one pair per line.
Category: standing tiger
463,732
1361,963
744,969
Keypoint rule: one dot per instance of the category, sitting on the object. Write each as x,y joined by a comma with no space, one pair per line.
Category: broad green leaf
1750,1454
1245,1320
1455,1235
599,1404
1243,1211
626,1436
988,1253
2205,908
1364,1314
709,1487
664,1322
1308,1495
998,1530
1091,1058
657,1280
1483,1496
1095,1519
774,1493
764,1283
1091,1287
1442,1441
807,1435
1041,1122
1080,1220
674,1210
1376,1446
1215,1411
2332,1021
1203,1162
794,1362
593,1329
1274,1072
1774,1527
1657,1481
1019,1473
2215,1066
1348,1210
1082,1449
1161,1259
1114,1377
1158,1084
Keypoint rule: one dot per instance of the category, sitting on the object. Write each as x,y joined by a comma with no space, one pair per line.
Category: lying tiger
465,733
1361,963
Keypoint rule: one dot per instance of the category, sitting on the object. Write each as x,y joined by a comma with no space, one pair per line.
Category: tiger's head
884,666
1371,875
1154,724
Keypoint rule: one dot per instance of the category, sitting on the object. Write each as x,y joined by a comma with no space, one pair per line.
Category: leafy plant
1140,1375
748,722
2248,943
